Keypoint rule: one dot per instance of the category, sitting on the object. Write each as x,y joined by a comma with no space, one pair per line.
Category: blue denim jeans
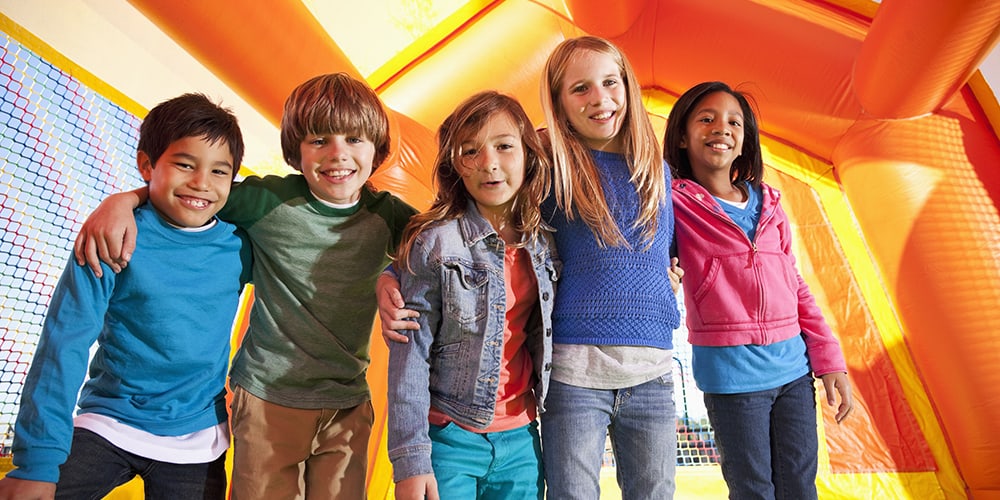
641,422
767,441
496,465
95,467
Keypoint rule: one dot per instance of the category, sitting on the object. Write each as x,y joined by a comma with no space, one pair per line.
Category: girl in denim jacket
755,328
480,270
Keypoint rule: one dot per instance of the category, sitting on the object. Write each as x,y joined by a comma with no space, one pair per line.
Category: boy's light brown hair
333,103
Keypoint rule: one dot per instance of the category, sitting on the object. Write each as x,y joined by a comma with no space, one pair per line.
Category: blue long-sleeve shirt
163,328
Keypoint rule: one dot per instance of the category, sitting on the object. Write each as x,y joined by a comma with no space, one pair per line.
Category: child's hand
838,383
417,488
23,489
391,310
108,235
676,273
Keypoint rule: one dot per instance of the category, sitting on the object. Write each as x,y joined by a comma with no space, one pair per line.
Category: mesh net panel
63,148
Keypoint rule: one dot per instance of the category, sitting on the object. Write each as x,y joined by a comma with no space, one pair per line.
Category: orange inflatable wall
871,125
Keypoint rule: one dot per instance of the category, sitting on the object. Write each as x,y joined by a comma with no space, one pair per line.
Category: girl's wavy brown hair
451,201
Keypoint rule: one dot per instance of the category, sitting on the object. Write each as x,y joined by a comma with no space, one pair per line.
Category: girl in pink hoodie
757,335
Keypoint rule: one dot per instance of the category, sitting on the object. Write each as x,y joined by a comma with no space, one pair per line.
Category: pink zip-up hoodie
739,291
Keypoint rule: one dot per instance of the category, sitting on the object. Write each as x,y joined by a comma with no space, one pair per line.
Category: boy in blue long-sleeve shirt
154,404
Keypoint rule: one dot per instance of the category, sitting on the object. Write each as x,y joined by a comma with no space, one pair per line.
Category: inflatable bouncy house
877,123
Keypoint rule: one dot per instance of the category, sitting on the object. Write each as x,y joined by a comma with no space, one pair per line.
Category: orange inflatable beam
919,53
929,217
265,50
611,20
243,45
926,222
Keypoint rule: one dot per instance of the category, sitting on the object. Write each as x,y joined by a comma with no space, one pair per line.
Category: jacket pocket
740,289
466,291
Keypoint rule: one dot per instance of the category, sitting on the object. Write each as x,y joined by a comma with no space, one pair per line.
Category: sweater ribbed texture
614,295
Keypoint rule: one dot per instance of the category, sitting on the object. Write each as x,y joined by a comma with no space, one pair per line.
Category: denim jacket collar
474,227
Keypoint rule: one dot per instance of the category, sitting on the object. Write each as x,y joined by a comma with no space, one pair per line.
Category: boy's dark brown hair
190,115
333,103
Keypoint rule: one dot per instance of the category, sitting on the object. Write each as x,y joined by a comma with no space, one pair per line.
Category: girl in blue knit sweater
615,312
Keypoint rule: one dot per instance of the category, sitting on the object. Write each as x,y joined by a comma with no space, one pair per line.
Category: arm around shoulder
108,234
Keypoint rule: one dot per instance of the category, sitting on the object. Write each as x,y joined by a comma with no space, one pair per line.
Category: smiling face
491,164
714,133
191,180
593,95
336,166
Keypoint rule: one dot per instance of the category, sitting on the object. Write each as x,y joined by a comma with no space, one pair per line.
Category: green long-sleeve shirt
314,276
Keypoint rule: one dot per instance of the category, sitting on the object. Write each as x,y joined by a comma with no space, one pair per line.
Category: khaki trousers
292,453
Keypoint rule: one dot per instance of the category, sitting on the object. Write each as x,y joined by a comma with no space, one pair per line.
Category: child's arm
24,489
417,488
837,383
408,397
391,309
44,421
822,347
108,235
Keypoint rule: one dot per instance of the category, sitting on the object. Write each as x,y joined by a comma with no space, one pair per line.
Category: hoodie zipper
752,254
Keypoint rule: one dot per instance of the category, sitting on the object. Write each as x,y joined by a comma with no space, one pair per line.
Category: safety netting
63,148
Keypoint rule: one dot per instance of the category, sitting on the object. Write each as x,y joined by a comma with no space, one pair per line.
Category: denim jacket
453,361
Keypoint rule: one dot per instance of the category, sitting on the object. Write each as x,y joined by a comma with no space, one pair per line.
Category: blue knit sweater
614,295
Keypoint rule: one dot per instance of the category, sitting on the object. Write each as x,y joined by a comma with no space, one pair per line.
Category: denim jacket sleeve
409,445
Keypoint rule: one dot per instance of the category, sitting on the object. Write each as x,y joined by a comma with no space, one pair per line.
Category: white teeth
721,147
338,174
196,203
602,116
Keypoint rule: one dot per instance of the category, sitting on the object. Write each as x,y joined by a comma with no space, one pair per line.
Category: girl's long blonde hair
578,189
451,200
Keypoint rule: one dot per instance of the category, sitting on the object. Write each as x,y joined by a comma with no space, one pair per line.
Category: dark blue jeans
767,441
95,467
